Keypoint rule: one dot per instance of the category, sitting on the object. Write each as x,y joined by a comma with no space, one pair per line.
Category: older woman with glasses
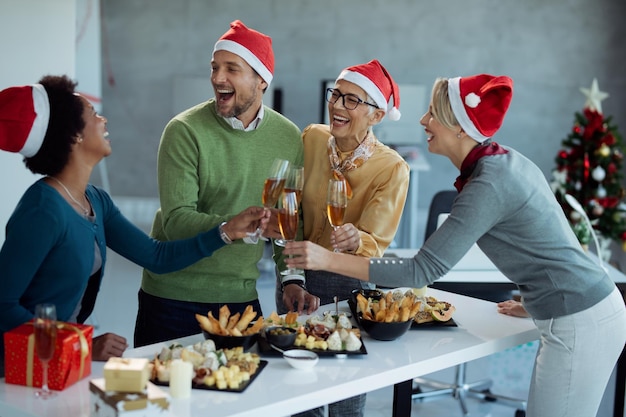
376,179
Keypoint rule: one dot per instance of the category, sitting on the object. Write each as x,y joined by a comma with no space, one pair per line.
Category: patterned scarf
469,163
356,158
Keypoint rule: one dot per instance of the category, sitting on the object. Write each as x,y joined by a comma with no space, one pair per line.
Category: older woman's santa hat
253,47
480,103
24,115
377,83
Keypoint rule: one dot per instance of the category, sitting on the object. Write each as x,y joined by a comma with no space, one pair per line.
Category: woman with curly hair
56,239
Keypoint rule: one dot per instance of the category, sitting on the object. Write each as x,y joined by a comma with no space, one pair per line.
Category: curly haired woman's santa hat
24,115
253,47
480,103
377,83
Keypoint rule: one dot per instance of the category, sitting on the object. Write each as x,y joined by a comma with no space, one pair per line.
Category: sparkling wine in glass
272,188
294,183
288,222
336,203
45,341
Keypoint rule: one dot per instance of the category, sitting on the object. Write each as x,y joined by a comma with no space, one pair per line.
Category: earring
80,139
458,135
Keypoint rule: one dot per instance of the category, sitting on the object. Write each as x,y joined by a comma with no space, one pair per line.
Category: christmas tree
589,167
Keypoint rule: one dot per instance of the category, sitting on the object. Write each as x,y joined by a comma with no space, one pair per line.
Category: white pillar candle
181,374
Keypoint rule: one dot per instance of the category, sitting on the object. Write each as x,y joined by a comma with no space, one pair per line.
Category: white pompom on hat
24,116
377,83
480,103
252,46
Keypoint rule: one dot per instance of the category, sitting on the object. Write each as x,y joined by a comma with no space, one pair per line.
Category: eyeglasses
350,101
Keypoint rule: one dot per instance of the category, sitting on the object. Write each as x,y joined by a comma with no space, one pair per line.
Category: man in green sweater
213,160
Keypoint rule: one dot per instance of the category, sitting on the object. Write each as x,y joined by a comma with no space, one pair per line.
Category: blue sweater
49,252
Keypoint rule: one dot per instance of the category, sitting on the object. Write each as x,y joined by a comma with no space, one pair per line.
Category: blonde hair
441,108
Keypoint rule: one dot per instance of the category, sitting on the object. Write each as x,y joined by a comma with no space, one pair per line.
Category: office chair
459,388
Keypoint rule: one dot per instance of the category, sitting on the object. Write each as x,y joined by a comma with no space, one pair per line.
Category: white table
281,390
488,276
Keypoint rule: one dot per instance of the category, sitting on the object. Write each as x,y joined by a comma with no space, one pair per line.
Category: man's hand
294,294
272,230
107,346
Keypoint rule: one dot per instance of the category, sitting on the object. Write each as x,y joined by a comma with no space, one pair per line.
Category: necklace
85,210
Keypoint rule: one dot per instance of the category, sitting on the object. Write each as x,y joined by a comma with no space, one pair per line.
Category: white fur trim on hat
40,124
246,55
394,114
367,85
456,102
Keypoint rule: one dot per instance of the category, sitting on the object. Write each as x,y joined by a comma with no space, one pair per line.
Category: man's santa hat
377,83
480,103
253,47
24,115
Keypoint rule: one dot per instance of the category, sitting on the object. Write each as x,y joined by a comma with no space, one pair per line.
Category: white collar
238,125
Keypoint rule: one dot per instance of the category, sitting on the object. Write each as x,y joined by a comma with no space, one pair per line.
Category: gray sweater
509,210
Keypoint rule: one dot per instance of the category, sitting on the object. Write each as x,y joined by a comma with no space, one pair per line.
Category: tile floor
510,370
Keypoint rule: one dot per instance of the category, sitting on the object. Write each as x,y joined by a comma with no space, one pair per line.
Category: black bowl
229,342
284,339
385,331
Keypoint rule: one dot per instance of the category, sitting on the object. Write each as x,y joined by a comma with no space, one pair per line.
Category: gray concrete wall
550,48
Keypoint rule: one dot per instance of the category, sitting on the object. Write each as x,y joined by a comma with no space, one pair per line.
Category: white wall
38,38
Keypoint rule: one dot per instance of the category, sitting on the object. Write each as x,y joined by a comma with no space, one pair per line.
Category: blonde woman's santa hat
480,103
252,46
24,115
377,83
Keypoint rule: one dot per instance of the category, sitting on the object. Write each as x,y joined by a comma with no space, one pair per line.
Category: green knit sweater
207,173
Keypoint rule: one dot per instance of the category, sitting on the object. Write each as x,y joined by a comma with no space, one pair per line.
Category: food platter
242,387
266,350
414,326
231,370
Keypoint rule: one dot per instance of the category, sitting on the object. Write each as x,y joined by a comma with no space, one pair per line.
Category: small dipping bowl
301,358
283,337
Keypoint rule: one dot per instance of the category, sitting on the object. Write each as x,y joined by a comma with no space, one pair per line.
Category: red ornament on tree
594,144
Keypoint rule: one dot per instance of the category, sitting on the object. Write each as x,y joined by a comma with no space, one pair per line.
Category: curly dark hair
65,124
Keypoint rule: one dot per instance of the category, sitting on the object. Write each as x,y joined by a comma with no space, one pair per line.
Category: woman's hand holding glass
45,324
336,203
247,222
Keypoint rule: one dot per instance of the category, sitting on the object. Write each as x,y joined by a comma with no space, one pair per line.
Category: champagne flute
294,183
45,341
288,222
272,188
336,203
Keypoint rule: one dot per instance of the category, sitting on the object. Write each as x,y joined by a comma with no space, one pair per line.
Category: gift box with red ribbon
71,361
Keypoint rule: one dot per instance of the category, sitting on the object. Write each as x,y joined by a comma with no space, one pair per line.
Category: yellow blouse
379,189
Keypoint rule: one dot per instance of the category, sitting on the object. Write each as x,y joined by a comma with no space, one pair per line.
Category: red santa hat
24,115
253,47
480,102
377,83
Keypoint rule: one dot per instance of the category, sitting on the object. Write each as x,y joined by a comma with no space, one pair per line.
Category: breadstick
255,328
247,316
217,328
224,316
232,321
205,323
